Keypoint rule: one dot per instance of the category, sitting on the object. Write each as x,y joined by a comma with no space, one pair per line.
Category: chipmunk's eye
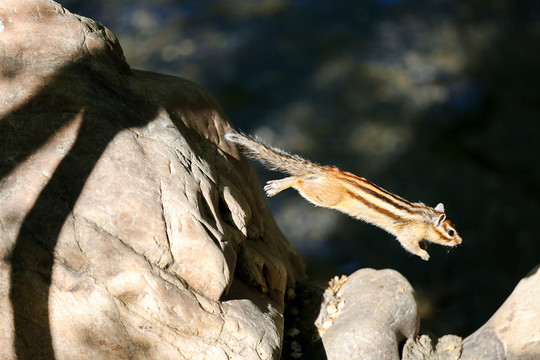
451,232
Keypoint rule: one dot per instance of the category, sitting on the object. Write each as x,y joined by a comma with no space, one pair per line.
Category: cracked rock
129,227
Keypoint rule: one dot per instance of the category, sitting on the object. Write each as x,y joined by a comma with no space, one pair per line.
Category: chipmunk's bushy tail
274,158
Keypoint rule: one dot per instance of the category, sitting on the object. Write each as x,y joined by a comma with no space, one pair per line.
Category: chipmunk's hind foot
274,187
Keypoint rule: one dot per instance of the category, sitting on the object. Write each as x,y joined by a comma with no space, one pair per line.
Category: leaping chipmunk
411,223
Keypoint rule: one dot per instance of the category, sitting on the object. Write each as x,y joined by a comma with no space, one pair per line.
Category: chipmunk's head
443,230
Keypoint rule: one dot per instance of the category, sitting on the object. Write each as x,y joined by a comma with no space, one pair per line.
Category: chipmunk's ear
439,220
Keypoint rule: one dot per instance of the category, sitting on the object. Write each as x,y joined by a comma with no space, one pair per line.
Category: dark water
437,101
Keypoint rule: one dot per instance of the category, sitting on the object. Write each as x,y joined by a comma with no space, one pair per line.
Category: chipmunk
411,223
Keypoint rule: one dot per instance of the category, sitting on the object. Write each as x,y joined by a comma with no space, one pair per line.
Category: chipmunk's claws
270,188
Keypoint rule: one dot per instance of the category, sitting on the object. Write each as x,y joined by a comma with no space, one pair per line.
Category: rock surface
513,332
126,227
367,315
375,311
448,347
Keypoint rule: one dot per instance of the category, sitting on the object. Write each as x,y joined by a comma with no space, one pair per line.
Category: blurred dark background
435,100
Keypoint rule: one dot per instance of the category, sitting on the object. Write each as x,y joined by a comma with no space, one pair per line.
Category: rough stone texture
379,311
126,227
448,348
513,332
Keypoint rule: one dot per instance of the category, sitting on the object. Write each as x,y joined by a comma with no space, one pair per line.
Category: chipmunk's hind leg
274,187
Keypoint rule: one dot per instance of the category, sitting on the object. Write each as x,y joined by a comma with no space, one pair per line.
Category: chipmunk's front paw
421,250
415,246
423,254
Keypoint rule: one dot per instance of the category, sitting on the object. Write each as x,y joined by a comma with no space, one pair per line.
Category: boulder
368,316
512,333
129,227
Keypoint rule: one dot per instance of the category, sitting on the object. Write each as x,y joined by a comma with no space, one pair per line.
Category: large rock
513,332
129,227
368,316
